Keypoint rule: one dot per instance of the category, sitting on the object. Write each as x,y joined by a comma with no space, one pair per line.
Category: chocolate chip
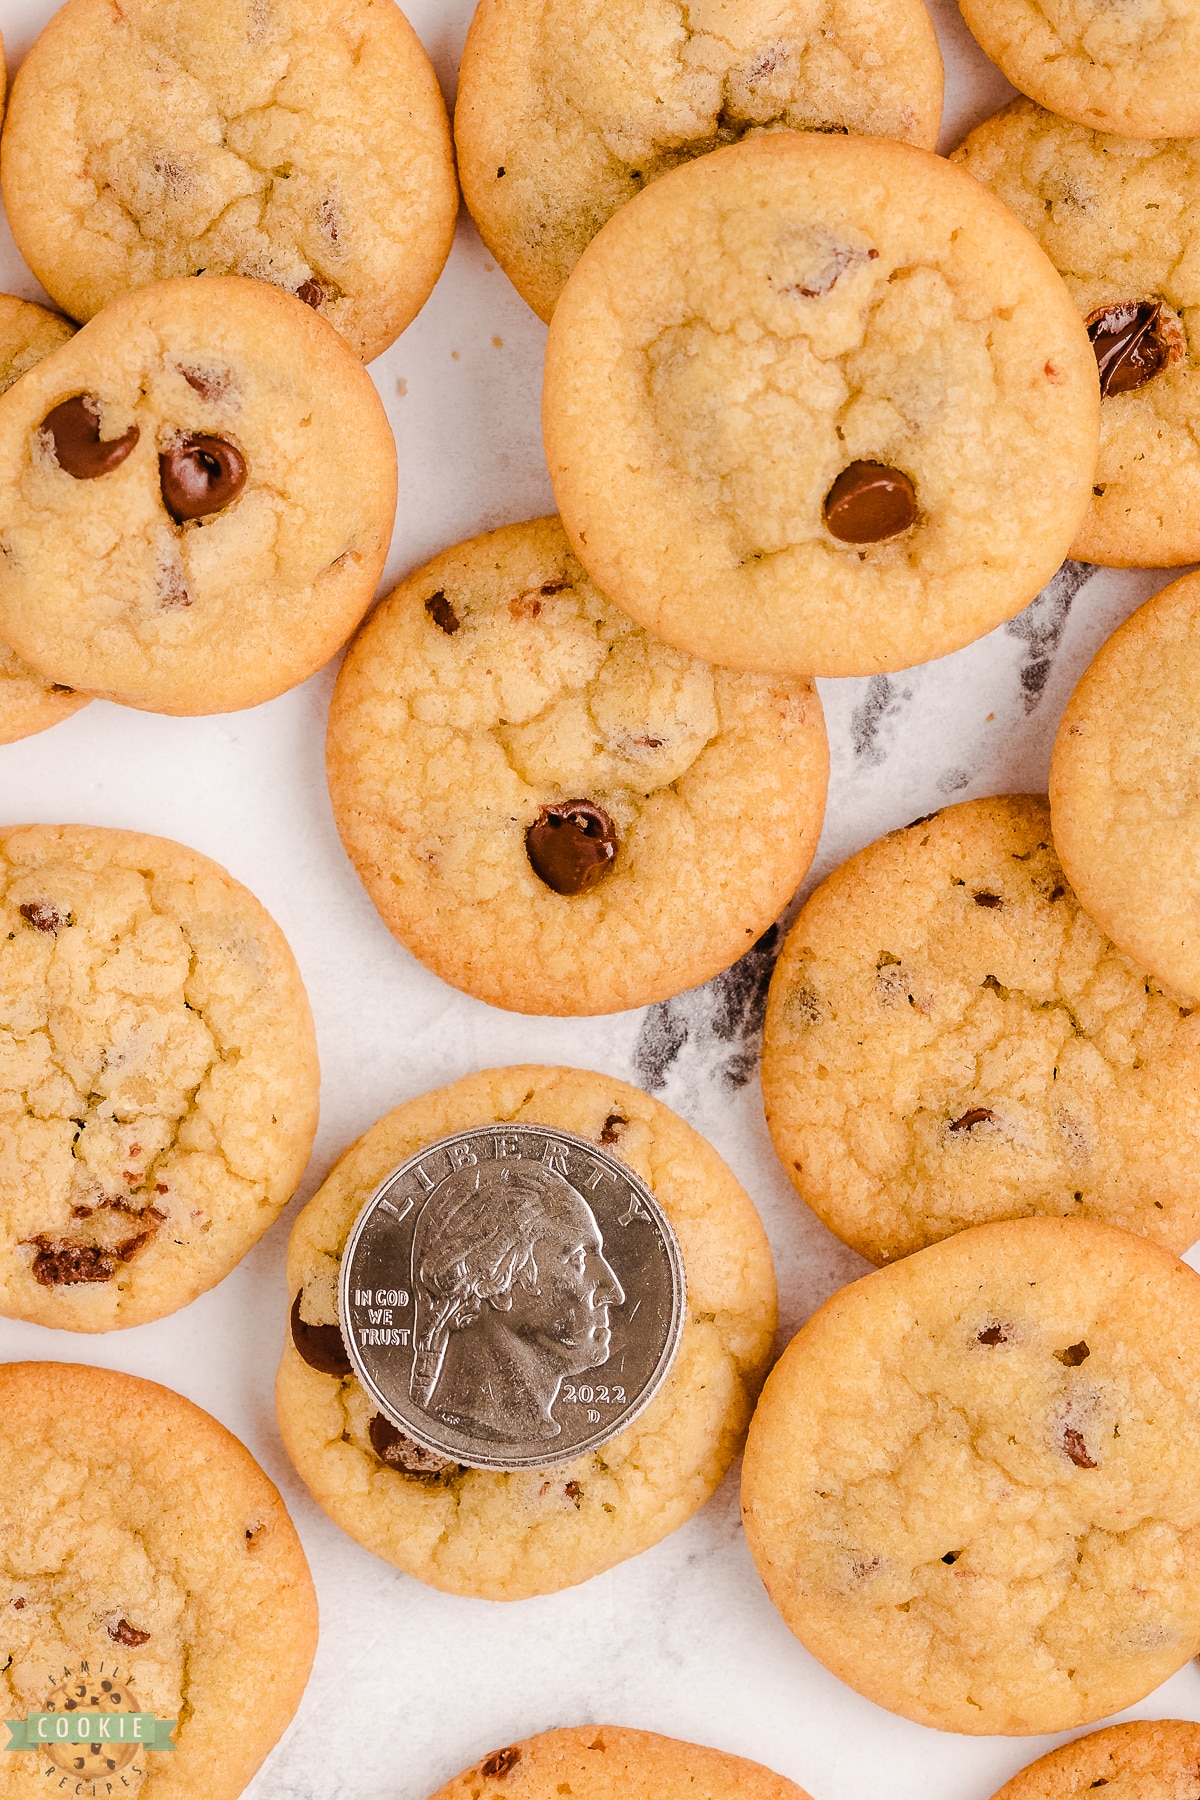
61,1264
1074,1354
211,384
1130,343
978,1115
442,613
571,846
311,292
614,1125
500,1763
991,1335
574,1492
400,1452
869,503
124,1633
321,1346
74,430
1076,1449
200,476
991,901
44,916
952,1556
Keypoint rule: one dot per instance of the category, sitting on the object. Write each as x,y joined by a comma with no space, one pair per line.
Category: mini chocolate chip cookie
147,1565
602,1762
970,1483
27,703
508,1536
566,110
300,142
196,499
819,405
1114,216
1123,782
549,807
1129,69
950,1039
159,1093
1148,1759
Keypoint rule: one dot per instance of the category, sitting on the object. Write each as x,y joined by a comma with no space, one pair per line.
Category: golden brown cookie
549,807
27,703
1148,1759
304,143
970,1483
821,405
147,1565
567,108
950,1039
197,495
158,1075
508,1536
1123,787
610,1762
1115,216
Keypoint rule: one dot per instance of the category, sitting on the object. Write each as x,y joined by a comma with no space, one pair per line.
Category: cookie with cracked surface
566,110
951,1039
1148,1759
820,405
549,807
142,1547
300,142
158,1075
969,1483
1123,782
610,1762
506,1537
27,703
1113,215
197,494
1128,70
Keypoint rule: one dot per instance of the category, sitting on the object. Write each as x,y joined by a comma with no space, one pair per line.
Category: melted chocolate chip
500,1763
614,1125
442,613
124,1633
978,1115
1076,1449
574,1492
321,1346
61,1264
200,476
74,430
400,1452
211,384
992,1335
869,503
1074,1354
311,292
1130,343
571,846
991,901
44,916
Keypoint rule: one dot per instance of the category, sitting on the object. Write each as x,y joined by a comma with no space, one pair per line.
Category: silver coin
512,1297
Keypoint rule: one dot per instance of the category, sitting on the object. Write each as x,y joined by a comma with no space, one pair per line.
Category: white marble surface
683,1639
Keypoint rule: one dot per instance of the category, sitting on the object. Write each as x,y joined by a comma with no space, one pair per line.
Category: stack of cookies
818,402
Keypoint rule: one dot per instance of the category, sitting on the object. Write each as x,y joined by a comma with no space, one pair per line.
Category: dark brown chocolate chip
991,1335
321,1346
952,1556
978,1115
923,820
400,1452
614,1125
211,384
61,1264
74,430
869,503
1074,1354
574,1492
1076,1449
991,901
200,476
124,1633
500,1763
571,846
1130,343
442,613
44,916
311,292
1057,893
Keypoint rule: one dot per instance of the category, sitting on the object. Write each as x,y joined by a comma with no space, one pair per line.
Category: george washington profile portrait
513,1294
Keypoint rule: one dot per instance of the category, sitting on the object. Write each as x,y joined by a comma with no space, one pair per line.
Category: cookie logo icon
93,1727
